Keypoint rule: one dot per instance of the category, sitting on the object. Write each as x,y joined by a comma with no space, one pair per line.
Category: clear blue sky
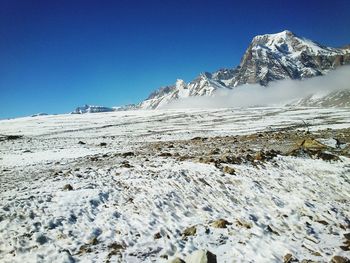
56,55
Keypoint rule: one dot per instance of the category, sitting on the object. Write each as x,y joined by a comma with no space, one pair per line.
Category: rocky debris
201,256
248,156
258,148
190,231
206,160
81,142
103,144
220,223
340,259
231,159
68,187
264,156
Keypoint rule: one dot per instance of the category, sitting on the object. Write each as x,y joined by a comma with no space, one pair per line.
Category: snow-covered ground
89,188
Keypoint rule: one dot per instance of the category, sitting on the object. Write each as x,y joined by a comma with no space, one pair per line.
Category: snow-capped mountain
204,85
269,57
285,55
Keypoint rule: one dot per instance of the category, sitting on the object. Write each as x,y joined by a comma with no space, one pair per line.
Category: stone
206,160
271,230
312,144
128,154
327,156
157,236
199,139
288,258
220,223
10,137
165,154
93,241
243,223
81,142
201,256
346,246
176,260
103,144
339,259
228,170
68,187
84,249
215,151
126,164
231,159
322,222
190,231
259,156
42,239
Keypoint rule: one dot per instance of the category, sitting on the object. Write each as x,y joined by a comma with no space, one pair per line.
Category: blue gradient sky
56,55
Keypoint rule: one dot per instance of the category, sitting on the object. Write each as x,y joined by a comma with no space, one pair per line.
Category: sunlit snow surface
40,222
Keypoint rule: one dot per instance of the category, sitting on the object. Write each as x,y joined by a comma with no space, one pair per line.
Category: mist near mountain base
277,93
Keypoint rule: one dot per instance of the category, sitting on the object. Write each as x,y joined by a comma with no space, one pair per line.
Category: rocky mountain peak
276,37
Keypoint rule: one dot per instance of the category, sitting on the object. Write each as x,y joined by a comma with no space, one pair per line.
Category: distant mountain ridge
91,109
268,58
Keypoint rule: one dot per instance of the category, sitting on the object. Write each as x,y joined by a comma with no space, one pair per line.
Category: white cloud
278,92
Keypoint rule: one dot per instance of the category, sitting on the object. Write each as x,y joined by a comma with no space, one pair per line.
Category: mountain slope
340,98
269,57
